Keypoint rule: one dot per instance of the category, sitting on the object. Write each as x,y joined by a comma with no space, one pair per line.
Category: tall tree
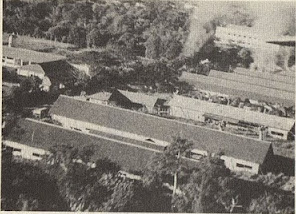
85,185
25,187
210,189
169,163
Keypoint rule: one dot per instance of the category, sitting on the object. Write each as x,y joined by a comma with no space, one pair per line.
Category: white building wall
104,102
26,151
231,163
272,132
86,127
228,35
28,73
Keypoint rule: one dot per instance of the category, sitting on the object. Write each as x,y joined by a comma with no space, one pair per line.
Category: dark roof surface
141,98
162,129
60,71
242,90
29,55
46,136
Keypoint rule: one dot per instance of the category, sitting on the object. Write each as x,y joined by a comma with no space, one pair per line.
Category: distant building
195,109
153,104
100,97
31,70
239,153
17,57
53,70
242,36
40,112
239,88
136,101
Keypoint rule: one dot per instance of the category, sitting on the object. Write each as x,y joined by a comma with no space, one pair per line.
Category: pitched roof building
53,68
240,89
135,100
181,106
252,80
238,152
100,97
285,77
29,55
31,70
40,137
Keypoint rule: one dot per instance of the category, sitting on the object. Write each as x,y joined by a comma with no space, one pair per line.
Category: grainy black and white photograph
148,106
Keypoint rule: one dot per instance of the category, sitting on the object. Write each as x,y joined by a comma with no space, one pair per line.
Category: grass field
32,43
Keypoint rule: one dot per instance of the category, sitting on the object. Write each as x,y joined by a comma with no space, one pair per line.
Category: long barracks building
239,153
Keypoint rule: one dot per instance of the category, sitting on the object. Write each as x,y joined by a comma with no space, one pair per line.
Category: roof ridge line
166,119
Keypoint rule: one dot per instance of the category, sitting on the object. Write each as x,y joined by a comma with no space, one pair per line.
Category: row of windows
19,150
242,36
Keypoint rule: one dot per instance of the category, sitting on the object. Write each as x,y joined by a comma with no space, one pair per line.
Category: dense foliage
133,25
67,179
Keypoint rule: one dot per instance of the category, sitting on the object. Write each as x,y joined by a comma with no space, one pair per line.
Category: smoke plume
273,20
270,20
201,28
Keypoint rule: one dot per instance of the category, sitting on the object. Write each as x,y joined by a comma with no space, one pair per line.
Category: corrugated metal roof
290,79
29,55
252,80
238,89
162,129
232,112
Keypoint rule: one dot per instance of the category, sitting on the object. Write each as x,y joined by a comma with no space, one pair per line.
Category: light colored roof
231,112
149,126
29,55
141,98
104,96
253,80
286,77
242,90
33,67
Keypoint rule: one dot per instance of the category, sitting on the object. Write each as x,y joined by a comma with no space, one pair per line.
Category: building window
17,150
76,129
243,166
277,133
36,155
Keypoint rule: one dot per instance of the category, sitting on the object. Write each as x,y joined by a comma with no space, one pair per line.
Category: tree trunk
176,177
